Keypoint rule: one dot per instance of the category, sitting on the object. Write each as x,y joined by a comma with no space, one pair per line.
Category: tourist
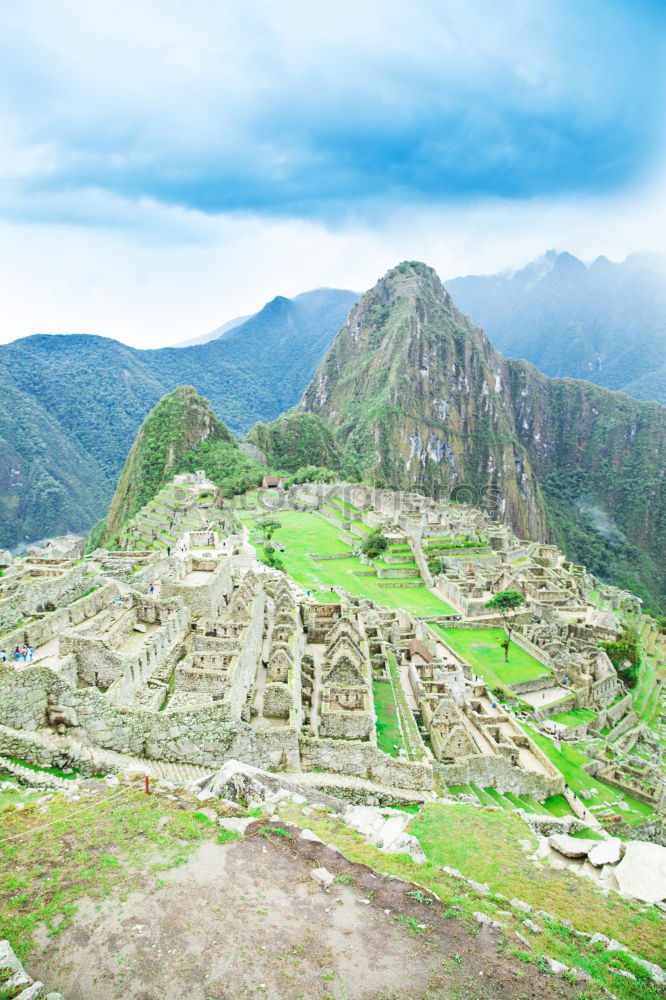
168,550
3,655
17,653
24,653
151,589
31,653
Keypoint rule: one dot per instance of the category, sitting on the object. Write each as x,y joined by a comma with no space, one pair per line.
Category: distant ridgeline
72,405
605,322
413,395
410,395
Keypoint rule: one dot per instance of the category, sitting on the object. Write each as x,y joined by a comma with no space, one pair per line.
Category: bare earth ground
246,919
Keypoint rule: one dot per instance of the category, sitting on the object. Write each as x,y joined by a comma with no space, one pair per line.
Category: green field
481,648
569,761
576,717
304,535
389,737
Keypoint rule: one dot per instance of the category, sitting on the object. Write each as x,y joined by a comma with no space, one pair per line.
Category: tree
268,526
625,655
507,603
374,543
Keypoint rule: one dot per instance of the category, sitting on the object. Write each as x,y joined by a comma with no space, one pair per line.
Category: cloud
324,112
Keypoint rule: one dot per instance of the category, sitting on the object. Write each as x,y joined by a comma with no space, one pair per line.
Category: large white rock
385,830
642,871
570,847
605,852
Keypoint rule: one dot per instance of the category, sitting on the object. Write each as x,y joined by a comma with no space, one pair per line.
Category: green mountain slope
180,434
84,397
605,322
418,397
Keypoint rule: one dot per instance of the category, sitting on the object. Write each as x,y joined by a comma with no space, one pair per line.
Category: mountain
72,405
177,425
214,334
416,396
604,322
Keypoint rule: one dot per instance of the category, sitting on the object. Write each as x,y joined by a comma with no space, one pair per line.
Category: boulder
570,847
557,968
236,824
323,877
309,835
605,852
385,830
642,871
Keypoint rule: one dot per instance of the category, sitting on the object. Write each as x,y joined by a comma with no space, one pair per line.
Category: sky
167,166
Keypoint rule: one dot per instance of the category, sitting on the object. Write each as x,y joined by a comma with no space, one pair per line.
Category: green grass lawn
304,535
575,717
481,648
389,737
485,846
569,760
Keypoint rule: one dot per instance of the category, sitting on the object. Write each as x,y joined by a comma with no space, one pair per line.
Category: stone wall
277,701
364,761
498,772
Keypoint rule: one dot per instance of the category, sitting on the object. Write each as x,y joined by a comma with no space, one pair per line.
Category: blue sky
164,166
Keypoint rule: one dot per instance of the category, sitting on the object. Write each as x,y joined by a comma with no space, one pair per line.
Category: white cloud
163,275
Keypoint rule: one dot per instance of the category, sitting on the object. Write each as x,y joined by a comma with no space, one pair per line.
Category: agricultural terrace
605,801
481,648
305,536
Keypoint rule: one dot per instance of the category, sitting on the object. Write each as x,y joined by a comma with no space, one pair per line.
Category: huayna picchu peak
416,396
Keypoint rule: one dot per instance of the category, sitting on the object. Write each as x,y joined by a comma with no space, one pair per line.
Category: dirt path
247,920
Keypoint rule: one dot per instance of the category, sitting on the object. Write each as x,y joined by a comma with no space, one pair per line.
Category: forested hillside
72,405
604,322
416,396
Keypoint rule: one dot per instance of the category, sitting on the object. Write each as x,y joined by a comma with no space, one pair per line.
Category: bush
374,543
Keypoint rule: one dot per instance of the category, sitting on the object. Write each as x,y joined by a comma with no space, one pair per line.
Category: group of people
25,652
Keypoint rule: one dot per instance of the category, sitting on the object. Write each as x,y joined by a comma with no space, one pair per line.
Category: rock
54,996
599,939
642,871
309,835
622,972
8,960
481,887
208,813
605,852
531,926
658,974
323,877
519,904
452,871
580,975
236,824
523,940
557,968
31,992
570,847
545,915
614,945
387,834
298,799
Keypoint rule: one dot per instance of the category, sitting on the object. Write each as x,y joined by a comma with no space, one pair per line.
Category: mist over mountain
604,322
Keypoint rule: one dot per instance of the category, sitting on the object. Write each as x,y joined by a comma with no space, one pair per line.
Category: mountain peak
178,423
